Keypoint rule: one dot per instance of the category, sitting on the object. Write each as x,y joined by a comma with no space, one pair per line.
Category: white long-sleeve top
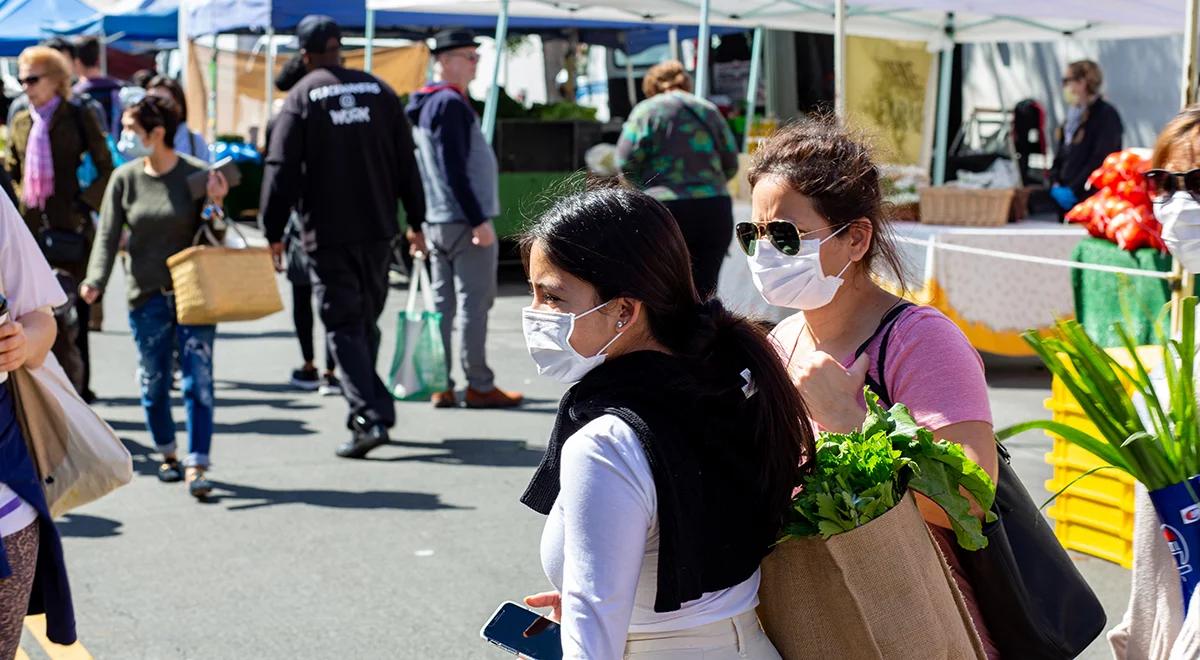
600,548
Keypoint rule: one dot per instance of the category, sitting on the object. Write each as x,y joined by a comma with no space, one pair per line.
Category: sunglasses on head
29,81
783,235
1164,183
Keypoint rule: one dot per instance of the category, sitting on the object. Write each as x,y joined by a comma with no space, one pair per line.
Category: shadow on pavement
280,387
454,451
144,461
268,334
251,497
254,427
90,527
290,403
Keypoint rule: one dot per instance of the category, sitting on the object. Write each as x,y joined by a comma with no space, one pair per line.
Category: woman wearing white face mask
816,239
1174,186
151,197
673,456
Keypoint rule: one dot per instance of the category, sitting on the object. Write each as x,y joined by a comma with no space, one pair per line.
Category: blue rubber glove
1064,196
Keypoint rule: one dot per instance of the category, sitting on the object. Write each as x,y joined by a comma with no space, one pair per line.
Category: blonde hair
665,77
1179,139
52,63
1089,72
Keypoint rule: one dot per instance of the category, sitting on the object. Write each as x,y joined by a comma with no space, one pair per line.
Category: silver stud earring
620,324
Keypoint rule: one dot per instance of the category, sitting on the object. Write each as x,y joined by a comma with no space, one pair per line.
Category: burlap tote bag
878,592
216,284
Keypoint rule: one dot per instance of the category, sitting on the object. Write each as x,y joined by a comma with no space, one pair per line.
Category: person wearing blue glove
1064,197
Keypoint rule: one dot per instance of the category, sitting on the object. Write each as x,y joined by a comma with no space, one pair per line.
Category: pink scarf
38,184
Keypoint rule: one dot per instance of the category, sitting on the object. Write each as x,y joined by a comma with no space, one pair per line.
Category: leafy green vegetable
858,477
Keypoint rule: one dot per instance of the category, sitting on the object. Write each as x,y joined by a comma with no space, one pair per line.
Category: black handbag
62,246
1034,601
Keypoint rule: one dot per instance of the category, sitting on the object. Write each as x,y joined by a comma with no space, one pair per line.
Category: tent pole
703,45
673,43
369,49
630,83
493,98
103,52
268,79
839,59
212,88
941,137
752,89
1187,96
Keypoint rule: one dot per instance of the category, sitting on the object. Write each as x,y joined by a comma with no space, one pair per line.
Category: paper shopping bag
878,592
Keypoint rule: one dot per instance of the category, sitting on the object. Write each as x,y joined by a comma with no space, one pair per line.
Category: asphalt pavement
300,554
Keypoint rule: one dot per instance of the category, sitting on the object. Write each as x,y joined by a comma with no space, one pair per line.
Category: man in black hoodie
341,153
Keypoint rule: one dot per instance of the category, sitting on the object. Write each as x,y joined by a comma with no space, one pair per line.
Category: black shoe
306,379
170,472
198,485
366,437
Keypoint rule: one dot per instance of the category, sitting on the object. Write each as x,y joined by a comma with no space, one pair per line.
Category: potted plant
1147,423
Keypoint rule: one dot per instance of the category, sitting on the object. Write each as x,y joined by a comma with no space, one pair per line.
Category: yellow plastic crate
1095,515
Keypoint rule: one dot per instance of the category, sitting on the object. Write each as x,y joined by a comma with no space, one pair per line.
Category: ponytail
627,244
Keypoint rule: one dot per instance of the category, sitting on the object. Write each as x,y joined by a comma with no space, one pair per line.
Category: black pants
707,226
302,316
350,282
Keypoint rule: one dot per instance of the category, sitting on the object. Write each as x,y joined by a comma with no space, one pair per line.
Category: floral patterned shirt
677,146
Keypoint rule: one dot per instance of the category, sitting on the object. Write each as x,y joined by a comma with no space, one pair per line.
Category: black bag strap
879,387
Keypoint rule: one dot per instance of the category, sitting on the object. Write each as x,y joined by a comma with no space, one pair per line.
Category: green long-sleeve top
162,219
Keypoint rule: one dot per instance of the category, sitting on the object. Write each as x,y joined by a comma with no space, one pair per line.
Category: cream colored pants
730,639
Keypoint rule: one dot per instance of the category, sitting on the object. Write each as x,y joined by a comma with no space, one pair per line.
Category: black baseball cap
451,39
314,32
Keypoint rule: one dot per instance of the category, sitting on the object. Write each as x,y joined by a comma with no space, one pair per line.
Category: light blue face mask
130,146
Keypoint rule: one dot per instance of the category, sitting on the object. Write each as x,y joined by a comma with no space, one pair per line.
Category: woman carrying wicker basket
150,196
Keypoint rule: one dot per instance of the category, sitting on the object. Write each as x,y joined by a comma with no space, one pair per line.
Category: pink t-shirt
25,278
931,367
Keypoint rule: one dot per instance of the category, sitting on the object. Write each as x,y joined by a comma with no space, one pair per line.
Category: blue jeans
156,334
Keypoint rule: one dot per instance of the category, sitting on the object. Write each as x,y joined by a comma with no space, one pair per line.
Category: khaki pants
730,639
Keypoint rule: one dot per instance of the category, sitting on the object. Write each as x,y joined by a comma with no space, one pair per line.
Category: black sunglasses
1164,183
29,81
783,235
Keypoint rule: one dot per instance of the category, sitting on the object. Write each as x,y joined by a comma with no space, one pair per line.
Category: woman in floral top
678,149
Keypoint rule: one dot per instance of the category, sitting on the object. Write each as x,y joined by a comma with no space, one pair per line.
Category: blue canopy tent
150,20
25,23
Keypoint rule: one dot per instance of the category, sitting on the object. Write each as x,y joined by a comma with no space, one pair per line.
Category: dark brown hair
1089,72
627,244
666,76
154,111
87,50
173,87
821,160
1182,132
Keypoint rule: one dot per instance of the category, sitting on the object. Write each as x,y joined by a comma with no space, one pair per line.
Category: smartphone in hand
523,632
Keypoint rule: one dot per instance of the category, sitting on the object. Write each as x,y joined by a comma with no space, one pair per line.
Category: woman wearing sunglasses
1174,186
816,240
674,453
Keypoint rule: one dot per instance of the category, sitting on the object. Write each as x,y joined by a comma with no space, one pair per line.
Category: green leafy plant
860,476
1159,445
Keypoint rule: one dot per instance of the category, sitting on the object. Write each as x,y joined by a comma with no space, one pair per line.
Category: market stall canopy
142,20
25,23
920,20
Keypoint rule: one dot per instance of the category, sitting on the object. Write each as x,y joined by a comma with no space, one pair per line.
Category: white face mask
548,337
797,282
130,146
1180,218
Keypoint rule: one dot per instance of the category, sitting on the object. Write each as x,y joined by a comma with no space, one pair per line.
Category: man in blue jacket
460,177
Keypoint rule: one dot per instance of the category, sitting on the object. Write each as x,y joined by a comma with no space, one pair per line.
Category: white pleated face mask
796,282
548,338
1180,218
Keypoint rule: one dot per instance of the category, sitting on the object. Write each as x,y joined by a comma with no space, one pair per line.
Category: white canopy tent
941,23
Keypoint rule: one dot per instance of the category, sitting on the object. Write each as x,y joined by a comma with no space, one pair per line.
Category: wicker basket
219,284
946,205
